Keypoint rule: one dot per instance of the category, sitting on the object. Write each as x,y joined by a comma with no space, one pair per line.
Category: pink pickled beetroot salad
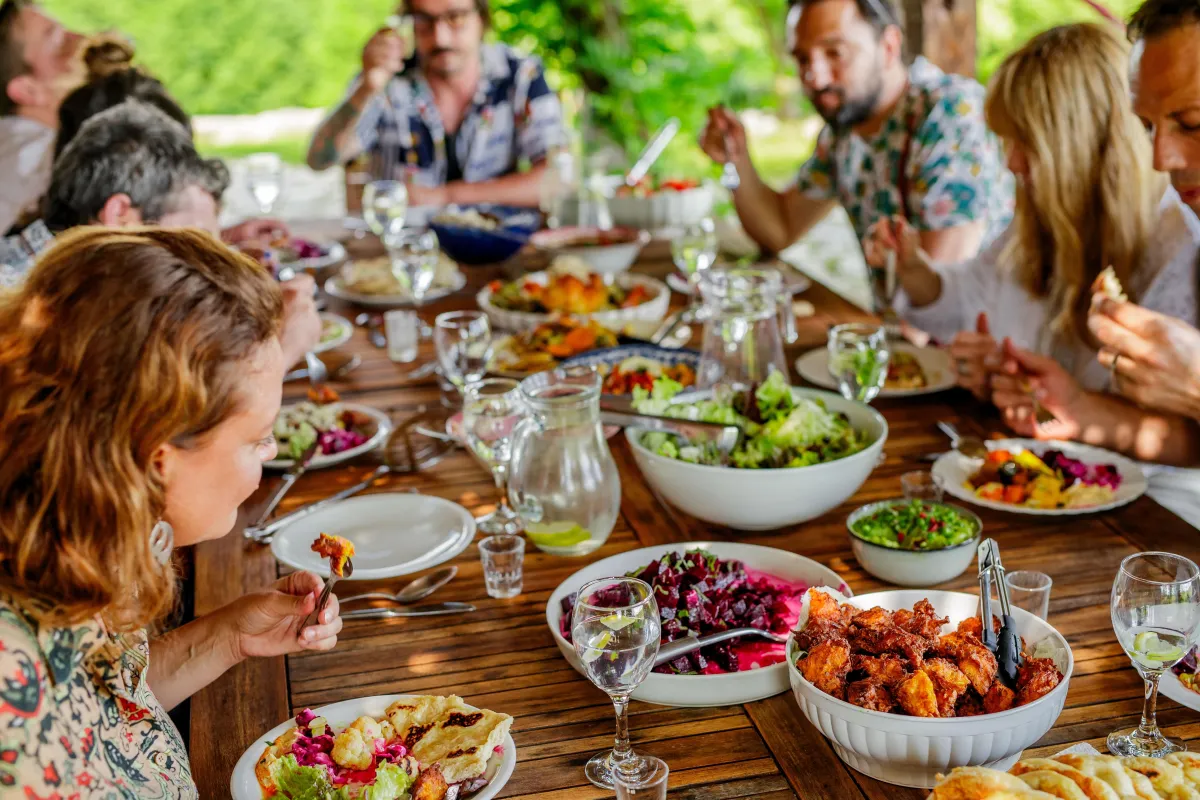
702,594
312,751
1074,470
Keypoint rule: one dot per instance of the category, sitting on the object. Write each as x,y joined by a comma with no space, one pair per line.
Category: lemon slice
1153,649
615,622
593,651
557,534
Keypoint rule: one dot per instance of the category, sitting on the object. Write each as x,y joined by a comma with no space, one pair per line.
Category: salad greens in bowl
914,542
803,453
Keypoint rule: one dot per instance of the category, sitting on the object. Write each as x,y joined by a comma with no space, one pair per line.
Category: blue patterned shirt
513,116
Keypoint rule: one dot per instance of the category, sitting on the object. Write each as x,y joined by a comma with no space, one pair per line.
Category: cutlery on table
730,179
430,610
264,533
681,647
323,600
289,479
415,591
969,446
1008,644
374,325
337,373
318,373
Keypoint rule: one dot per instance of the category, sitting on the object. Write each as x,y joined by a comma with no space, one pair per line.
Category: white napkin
1175,489
1081,749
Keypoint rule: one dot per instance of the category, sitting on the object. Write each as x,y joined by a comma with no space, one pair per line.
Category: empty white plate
392,534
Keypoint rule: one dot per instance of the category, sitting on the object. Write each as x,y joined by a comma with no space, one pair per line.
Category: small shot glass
649,784
1030,591
921,485
403,334
503,557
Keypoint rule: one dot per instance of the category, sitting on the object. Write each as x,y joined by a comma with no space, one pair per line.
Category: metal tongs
1006,645
725,437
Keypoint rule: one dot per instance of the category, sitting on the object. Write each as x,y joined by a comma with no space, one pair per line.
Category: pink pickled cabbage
1074,470
339,441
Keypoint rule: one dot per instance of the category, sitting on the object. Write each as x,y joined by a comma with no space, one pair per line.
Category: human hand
894,235
301,323
256,232
1022,381
433,196
1152,357
382,58
265,623
724,137
975,353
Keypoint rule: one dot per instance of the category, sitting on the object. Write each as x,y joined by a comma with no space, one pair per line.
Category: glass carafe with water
563,481
746,315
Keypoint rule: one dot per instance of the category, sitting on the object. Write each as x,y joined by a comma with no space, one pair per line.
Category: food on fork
1077,777
336,549
1109,285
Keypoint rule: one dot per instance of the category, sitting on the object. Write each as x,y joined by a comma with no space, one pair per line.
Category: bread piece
1190,764
1054,783
1109,285
1093,788
1126,783
980,783
1168,779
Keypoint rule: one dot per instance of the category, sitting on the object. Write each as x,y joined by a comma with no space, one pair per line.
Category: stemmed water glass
858,360
491,409
463,340
616,631
695,250
384,207
414,259
264,177
1156,615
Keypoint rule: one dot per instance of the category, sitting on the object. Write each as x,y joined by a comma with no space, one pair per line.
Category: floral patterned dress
77,718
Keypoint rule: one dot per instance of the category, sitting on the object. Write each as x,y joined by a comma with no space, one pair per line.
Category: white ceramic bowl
605,259
912,567
764,499
911,751
653,310
662,209
699,691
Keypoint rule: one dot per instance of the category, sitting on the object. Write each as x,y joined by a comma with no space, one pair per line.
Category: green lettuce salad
780,430
312,783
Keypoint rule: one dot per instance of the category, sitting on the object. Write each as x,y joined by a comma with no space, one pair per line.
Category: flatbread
1055,784
1110,770
1190,764
275,751
974,783
1093,788
1167,778
443,731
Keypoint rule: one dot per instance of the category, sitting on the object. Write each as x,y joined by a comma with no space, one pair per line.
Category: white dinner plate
1170,687
393,534
813,366
340,339
335,288
335,253
952,469
383,428
244,785
699,691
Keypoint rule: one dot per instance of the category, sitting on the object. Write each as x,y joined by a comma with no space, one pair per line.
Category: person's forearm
761,211
335,141
1115,424
921,282
518,189
191,657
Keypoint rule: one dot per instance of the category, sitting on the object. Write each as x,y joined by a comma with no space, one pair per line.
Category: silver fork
323,600
730,179
318,373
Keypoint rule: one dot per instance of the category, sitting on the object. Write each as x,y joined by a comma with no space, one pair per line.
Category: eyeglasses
456,18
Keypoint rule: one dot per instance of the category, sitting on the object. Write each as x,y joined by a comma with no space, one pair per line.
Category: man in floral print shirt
898,140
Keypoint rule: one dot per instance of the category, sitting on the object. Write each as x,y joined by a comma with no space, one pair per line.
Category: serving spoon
681,647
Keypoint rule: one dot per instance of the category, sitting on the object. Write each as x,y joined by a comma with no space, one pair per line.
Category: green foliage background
642,60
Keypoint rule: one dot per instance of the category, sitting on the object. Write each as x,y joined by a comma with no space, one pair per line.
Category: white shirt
26,157
1166,281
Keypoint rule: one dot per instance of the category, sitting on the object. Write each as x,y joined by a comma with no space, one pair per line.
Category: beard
851,110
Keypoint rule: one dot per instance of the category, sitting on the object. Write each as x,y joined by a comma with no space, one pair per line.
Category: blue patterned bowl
604,360
475,246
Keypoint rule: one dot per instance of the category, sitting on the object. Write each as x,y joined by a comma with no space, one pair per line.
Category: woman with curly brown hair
140,376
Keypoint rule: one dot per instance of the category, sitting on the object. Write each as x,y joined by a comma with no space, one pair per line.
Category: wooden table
503,656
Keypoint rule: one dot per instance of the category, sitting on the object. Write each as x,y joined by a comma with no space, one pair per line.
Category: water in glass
385,205
491,409
503,565
695,250
743,339
858,360
264,177
403,332
463,340
414,258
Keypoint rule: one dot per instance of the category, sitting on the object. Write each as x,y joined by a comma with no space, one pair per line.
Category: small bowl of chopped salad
914,542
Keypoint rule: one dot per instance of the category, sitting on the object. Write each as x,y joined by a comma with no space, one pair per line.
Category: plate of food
570,288
904,688
606,251
344,430
1077,774
912,370
386,747
335,332
733,585
630,366
370,282
483,234
299,253
1042,478
390,534
1181,683
547,345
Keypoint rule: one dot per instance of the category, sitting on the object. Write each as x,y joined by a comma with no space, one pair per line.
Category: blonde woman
140,377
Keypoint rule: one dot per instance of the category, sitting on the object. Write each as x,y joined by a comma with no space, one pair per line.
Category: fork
730,179
318,373
323,600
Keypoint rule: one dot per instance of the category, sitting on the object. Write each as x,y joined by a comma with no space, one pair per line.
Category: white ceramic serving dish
912,567
953,469
243,785
699,691
935,362
912,751
663,209
653,310
764,499
605,259
382,429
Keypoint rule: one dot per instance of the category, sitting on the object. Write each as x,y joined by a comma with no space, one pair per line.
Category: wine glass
264,178
414,259
1156,615
384,206
463,340
858,360
615,629
695,250
491,409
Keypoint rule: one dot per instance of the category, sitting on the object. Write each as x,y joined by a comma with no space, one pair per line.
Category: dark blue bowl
476,247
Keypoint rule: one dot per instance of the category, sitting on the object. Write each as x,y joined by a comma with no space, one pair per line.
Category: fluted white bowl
911,751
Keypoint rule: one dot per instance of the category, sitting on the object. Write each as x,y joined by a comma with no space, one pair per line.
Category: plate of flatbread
371,282
1077,777
398,746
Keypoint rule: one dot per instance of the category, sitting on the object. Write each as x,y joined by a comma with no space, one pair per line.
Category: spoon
669,652
323,600
969,446
416,590
373,323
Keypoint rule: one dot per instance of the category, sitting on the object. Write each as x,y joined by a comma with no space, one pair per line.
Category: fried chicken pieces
901,662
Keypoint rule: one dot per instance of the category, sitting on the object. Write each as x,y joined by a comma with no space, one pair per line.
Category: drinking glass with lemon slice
616,631
1156,615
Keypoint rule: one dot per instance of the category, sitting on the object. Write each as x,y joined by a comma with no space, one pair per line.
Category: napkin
1175,489
1081,749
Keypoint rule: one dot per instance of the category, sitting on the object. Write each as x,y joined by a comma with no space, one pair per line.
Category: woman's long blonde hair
119,342
1092,191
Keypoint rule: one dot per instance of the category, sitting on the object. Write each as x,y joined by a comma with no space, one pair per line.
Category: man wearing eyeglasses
39,65
898,140
455,120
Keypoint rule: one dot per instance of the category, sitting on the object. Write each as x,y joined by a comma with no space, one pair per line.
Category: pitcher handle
787,318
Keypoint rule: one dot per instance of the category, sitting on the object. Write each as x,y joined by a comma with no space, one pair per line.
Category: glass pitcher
747,317
563,481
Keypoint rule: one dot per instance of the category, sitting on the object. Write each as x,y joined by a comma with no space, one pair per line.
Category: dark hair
103,93
879,14
1156,17
12,51
481,8
131,149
